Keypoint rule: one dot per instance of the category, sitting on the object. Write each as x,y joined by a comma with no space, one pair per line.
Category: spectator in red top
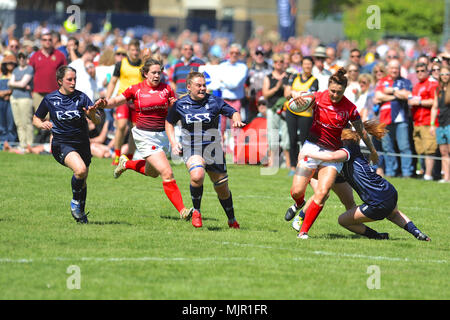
45,62
332,112
151,99
421,102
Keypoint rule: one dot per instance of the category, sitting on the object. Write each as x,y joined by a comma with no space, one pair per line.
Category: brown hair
440,89
339,78
148,63
61,72
373,127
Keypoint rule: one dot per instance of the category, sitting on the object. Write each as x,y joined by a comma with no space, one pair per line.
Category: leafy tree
397,17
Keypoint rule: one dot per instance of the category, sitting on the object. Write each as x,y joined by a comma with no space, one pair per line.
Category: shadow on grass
334,236
104,223
178,218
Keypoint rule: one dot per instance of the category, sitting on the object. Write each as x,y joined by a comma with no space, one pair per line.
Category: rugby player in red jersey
332,113
151,98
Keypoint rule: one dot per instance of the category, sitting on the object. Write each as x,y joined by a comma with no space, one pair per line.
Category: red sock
136,165
174,194
117,152
130,155
298,201
310,216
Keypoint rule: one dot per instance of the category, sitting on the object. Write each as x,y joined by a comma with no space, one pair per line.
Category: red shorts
126,111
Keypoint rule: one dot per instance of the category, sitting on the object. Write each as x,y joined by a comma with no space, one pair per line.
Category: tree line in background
397,18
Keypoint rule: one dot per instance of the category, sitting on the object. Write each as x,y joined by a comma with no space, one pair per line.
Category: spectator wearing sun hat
319,71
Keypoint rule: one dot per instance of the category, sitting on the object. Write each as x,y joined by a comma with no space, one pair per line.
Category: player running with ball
332,112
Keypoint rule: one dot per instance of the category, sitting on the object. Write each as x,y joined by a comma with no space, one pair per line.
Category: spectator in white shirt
233,77
319,71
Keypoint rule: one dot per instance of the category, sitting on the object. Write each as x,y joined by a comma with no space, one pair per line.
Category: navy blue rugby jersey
371,188
67,115
199,119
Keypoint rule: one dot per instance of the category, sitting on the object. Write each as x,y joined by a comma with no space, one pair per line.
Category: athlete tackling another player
378,195
332,112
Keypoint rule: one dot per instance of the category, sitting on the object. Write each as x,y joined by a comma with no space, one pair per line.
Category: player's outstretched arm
237,121
327,156
110,103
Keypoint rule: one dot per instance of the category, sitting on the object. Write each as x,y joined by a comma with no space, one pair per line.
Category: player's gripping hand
172,101
46,125
100,103
177,149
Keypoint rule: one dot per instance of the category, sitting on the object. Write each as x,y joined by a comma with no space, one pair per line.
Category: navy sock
411,228
227,205
77,189
301,214
83,198
196,196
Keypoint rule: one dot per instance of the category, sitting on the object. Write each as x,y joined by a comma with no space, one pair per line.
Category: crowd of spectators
396,81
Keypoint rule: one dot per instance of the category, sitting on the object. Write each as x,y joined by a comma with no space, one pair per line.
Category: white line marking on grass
347,255
128,259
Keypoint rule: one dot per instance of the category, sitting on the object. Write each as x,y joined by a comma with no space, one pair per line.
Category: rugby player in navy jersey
199,114
70,146
378,195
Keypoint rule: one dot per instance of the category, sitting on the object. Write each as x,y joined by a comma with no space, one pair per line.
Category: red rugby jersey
151,104
425,90
330,119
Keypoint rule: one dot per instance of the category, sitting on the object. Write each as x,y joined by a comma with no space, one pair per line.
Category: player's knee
297,192
223,181
342,220
197,177
80,172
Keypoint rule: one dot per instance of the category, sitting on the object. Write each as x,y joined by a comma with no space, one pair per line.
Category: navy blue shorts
213,155
380,211
61,149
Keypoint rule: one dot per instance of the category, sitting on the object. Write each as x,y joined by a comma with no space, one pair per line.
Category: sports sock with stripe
227,205
173,193
196,196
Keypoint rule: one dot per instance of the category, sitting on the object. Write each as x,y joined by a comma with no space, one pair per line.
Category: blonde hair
366,76
106,58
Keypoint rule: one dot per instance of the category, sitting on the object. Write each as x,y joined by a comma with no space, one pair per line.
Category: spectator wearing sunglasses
435,70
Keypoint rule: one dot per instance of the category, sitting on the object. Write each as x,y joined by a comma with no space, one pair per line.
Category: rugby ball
296,108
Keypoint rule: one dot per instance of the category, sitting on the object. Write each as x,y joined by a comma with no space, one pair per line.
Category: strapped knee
195,166
221,181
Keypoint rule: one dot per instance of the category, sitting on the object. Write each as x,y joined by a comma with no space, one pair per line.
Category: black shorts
212,154
380,211
61,149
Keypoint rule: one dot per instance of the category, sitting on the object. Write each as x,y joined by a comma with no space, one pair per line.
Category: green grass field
135,247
